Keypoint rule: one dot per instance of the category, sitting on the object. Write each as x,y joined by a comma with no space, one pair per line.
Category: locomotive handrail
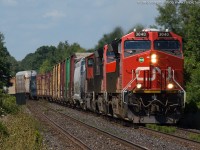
126,87
184,92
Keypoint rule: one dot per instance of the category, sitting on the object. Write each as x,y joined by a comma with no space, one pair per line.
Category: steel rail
75,140
69,136
188,130
175,137
112,136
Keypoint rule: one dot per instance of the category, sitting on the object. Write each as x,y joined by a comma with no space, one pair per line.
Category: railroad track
188,130
78,143
75,140
188,142
107,134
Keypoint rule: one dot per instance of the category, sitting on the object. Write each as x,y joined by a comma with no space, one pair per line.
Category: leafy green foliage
108,38
33,61
3,130
8,104
38,139
45,67
5,73
138,27
169,17
184,19
46,57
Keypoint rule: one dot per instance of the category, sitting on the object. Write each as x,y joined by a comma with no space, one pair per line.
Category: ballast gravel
128,133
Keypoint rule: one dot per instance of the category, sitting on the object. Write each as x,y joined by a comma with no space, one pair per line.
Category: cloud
9,2
54,15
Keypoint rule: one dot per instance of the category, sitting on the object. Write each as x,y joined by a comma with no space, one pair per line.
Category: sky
30,24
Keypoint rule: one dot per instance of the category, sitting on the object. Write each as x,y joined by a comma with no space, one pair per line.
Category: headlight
153,58
139,86
170,86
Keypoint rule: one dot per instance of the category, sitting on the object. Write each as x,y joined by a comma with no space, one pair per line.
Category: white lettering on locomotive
139,78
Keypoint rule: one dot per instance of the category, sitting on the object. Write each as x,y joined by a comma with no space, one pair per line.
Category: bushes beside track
7,104
18,130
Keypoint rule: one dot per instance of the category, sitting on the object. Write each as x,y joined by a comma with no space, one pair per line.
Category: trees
33,61
46,57
192,52
108,38
183,18
5,73
138,27
169,16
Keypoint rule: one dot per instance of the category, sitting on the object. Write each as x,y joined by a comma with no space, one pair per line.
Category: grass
3,130
8,104
18,130
195,137
23,133
165,129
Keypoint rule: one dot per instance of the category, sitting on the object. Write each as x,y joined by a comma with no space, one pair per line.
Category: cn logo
139,75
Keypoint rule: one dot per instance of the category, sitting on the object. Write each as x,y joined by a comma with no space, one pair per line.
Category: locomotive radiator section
155,106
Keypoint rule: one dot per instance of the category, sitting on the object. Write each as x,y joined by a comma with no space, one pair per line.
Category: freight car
138,77
25,84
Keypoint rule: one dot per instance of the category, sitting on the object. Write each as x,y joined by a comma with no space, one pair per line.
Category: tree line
181,18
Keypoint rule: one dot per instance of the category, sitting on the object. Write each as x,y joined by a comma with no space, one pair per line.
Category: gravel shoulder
128,133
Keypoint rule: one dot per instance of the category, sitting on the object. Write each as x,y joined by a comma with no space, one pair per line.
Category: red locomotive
138,77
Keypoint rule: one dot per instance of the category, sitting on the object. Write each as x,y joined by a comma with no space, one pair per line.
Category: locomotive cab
152,76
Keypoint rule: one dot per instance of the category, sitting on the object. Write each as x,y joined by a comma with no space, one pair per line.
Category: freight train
138,78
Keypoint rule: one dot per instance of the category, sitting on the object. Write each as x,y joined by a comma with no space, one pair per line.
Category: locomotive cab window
168,46
136,46
110,56
90,62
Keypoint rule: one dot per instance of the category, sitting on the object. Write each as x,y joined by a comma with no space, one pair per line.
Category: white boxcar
26,82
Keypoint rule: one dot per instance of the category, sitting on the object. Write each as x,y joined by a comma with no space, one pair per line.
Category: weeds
195,137
8,104
165,129
23,133
3,130
38,139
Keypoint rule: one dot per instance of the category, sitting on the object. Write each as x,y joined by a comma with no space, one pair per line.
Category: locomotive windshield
166,45
136,46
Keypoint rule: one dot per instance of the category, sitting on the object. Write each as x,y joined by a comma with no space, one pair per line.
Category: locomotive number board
140,34
164,34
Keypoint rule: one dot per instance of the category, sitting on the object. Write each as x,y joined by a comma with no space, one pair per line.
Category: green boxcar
67,76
